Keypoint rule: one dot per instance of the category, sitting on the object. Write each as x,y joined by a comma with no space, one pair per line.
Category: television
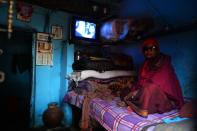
84,30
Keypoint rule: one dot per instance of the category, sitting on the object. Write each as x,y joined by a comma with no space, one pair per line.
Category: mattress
115,118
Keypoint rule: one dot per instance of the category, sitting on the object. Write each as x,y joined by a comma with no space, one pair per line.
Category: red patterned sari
157,89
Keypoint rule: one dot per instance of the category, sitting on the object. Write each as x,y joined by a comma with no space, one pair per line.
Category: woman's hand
131,95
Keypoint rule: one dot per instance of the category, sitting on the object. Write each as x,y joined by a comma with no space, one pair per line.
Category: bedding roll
99,65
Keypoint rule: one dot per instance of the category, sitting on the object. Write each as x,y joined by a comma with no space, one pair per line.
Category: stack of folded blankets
88,80
112,62
115,72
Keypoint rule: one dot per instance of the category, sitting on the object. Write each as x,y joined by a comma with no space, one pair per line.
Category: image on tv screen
85,29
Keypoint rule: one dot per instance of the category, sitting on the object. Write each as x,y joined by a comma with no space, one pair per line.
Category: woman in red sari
157,89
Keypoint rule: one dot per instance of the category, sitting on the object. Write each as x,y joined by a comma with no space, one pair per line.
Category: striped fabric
115,118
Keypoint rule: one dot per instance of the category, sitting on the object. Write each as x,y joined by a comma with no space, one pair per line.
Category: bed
109,114
115,118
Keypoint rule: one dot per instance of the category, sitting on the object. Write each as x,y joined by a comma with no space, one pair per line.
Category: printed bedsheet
115,118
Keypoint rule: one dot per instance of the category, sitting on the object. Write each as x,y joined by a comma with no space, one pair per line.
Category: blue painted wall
49,83
168,12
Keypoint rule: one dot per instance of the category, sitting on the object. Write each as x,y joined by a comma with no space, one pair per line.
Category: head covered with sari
150,47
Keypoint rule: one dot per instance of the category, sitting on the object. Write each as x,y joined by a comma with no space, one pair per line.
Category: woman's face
150,51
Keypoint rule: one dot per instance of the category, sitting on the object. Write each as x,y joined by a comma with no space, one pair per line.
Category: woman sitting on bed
157,89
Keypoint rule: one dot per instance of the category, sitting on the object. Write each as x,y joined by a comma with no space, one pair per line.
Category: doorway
15,89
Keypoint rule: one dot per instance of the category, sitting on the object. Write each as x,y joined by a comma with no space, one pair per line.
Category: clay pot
53,116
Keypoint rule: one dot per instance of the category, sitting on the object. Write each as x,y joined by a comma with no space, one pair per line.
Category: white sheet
81,75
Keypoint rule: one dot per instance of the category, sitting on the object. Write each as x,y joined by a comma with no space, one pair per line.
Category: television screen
84,30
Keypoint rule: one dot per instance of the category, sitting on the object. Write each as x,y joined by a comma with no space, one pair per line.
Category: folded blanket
99,65
82,75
